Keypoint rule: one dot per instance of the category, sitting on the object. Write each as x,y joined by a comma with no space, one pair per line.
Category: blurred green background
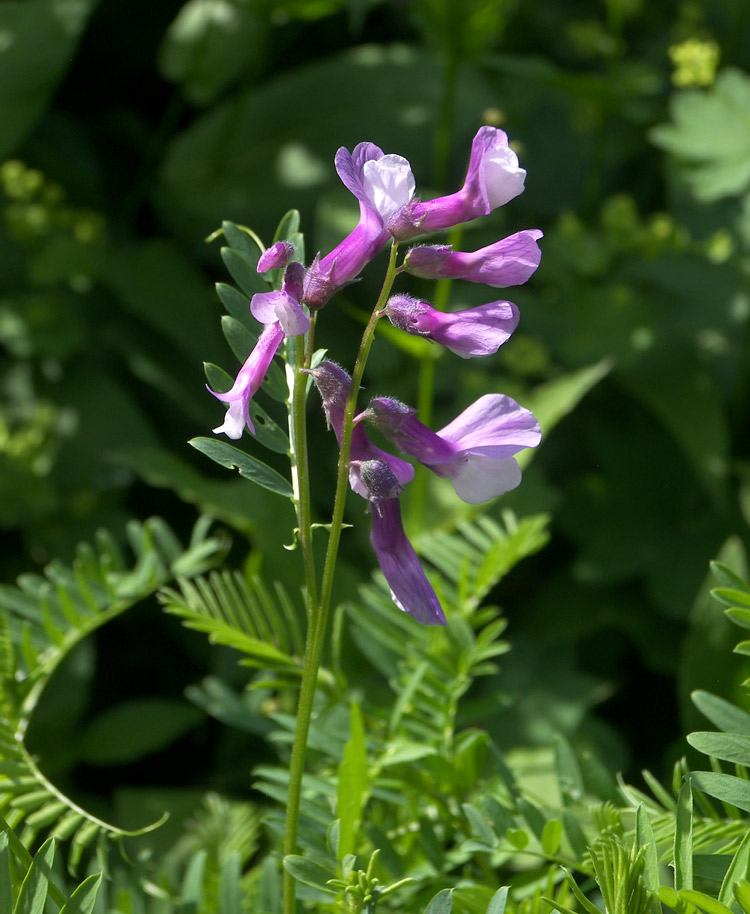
130,130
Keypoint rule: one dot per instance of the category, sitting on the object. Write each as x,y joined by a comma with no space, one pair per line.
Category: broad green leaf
243,240
82,901
353,784
552,401
192,884
308,872
231,457
499,900
704,902
721,713
33,895
480,826
6,886
442,903
683,839
725,787
230,888
742,894
38,44
243,272
209,45
730,747
238,306
234,159
727,577
737,872
568,771
135,729
644,837
710,133
551,836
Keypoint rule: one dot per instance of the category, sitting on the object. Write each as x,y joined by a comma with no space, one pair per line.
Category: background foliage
128,132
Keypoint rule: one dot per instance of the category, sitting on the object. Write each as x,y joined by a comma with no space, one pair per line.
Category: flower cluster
476,451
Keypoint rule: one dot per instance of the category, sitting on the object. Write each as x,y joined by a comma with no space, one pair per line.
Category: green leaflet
231,457
353,784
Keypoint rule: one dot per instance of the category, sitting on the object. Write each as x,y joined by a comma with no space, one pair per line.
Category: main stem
317,612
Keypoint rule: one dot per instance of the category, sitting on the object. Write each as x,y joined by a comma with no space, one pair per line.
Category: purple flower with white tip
471,332
410,589
494,177
382,184
248,380
476,451
508,262
283,305
333,384
276,257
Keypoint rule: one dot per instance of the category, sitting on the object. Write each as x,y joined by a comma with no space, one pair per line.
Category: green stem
346,435
318,617
304,516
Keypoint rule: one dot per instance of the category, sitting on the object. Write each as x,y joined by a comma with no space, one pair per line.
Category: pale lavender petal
235,420
410,589
292,318
494,426
389,184
494,174
477,478
263,306
476,331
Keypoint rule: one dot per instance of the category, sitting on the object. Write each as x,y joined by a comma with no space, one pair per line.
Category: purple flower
334,383
410,589
476,450
379,477
283,306
276,257
472,332
508,262
248,381
382,184
494,177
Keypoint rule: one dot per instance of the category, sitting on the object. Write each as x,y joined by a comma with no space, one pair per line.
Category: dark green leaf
721,713
442,903
730,747
238,306
33,895
230,889
38,44
231,457
244,272
82,901
725,787
737,872
308,872
135,729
